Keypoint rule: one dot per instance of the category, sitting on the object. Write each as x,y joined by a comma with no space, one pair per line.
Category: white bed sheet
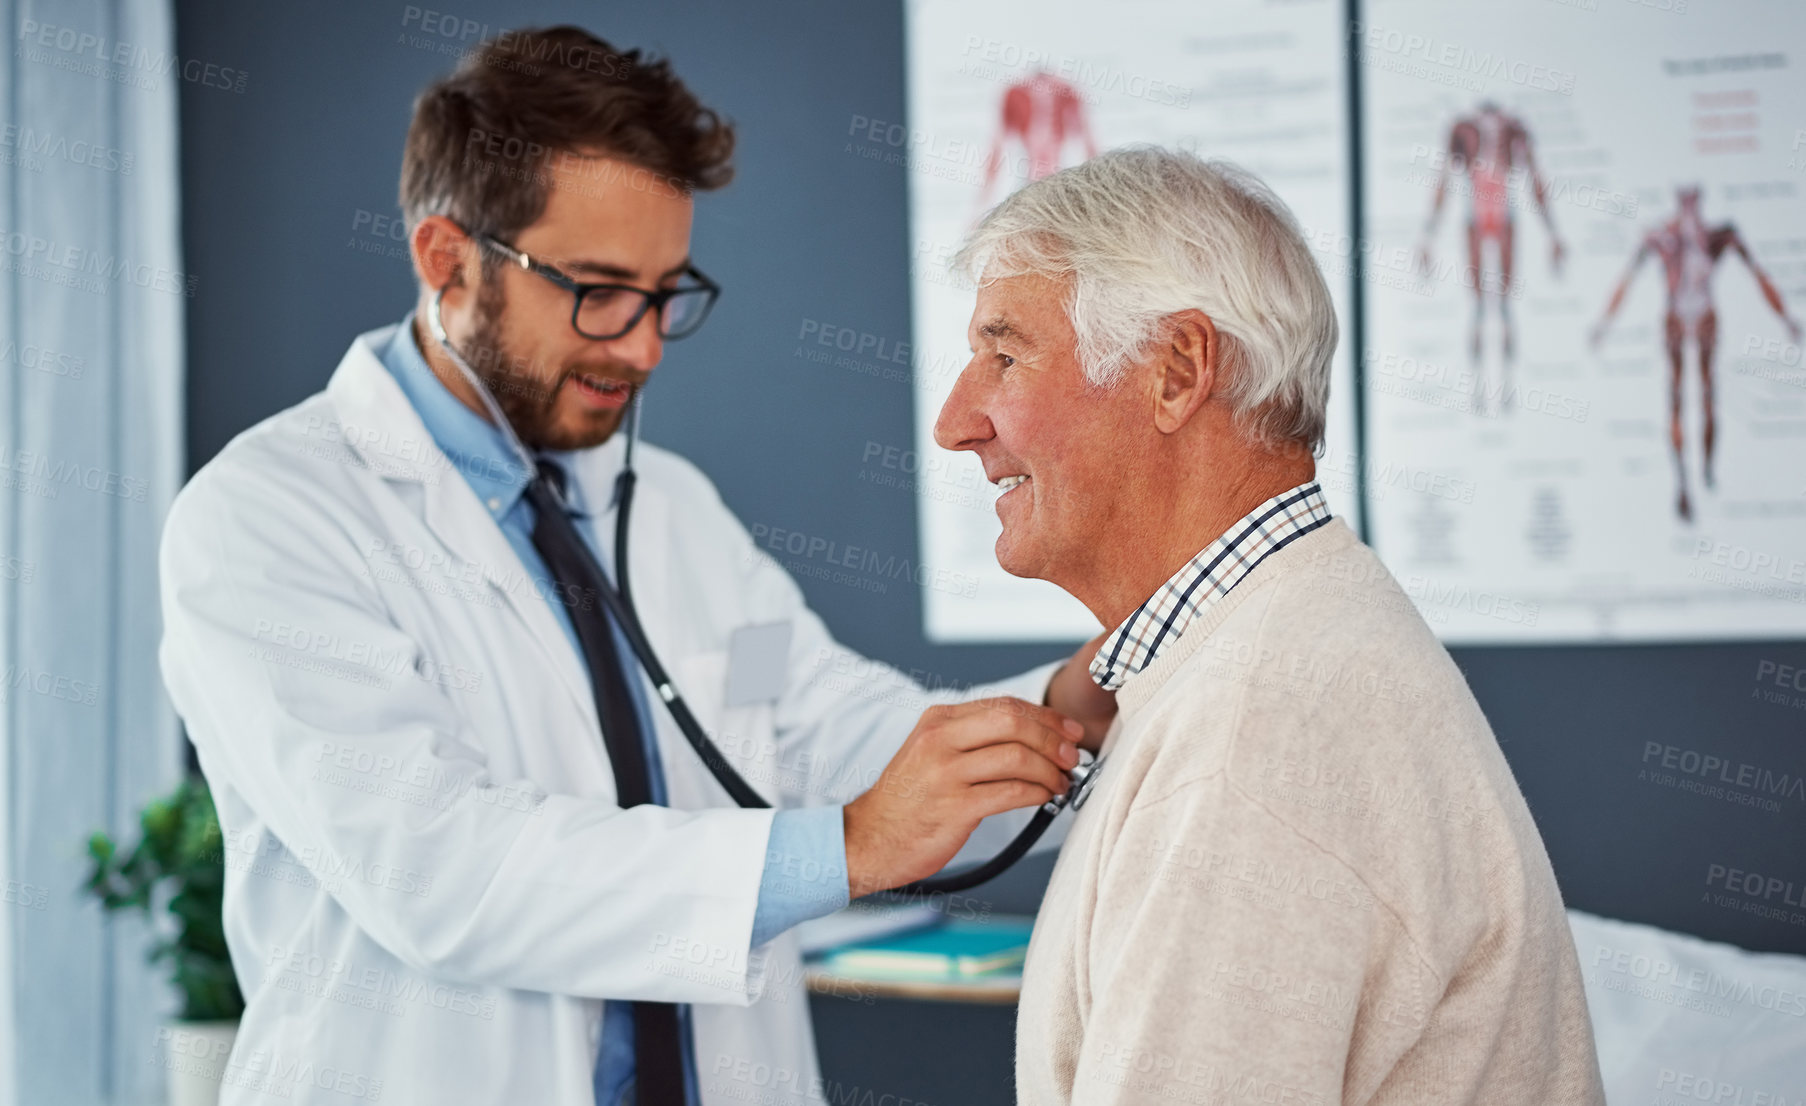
1683,1020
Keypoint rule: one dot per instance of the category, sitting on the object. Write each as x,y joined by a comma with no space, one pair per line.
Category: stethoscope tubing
618,599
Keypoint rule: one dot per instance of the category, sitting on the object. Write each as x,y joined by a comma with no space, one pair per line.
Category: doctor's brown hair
484,137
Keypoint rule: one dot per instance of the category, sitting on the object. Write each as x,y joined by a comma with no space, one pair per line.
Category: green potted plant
179,862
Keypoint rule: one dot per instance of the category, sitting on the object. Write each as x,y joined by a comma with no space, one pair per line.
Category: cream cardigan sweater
1306,875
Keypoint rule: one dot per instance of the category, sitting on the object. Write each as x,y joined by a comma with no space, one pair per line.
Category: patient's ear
1185,370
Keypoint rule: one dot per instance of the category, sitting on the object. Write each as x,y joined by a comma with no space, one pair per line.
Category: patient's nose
962,423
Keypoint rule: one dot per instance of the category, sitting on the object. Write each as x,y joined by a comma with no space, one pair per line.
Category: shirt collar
1204,579
472,444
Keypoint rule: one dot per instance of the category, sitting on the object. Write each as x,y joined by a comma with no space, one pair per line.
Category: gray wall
275,179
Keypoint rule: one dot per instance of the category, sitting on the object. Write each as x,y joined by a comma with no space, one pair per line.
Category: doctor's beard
529,401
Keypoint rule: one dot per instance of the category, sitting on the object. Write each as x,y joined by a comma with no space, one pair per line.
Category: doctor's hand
1076,695
961,764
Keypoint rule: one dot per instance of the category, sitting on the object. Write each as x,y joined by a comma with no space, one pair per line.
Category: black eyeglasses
605,311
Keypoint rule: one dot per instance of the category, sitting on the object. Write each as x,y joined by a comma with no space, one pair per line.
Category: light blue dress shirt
481,453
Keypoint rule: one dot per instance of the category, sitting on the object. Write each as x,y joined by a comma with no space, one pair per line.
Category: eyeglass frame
579,289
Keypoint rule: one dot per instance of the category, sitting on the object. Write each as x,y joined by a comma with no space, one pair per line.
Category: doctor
469,857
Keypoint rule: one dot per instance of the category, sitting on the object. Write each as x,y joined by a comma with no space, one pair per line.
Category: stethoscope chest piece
1084,778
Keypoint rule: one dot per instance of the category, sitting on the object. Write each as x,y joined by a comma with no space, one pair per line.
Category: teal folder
955,948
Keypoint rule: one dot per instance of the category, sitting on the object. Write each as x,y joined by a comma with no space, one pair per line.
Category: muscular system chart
1585,275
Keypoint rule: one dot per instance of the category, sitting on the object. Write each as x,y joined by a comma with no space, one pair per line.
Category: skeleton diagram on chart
1486,148
1690,251
1041,112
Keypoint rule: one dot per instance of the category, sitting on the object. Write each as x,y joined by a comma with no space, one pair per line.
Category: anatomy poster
1585,274
1003,92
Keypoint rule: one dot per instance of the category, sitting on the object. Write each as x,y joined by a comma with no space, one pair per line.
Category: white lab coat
428,886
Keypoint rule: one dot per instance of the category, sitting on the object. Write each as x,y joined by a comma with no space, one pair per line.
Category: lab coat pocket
746,736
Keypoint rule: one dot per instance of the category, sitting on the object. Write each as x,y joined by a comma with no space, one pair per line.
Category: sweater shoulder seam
1404,926
1231,783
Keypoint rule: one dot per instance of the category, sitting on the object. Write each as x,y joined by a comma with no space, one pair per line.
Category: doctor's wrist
866,871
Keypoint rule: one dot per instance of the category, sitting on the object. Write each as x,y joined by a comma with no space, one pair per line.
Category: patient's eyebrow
1000,329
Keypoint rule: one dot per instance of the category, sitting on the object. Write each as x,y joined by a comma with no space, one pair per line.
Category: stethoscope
619,601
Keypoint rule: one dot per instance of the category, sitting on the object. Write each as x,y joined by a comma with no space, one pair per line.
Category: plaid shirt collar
1206,578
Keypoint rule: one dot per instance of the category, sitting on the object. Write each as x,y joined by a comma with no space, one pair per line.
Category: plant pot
194,1060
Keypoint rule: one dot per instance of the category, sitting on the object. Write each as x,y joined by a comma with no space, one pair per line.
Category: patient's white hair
1142,232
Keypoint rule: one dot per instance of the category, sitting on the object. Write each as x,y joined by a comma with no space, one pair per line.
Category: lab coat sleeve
280,656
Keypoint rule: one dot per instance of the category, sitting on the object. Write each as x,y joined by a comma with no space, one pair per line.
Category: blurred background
198,212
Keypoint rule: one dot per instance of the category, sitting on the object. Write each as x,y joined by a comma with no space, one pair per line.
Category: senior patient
1307,875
